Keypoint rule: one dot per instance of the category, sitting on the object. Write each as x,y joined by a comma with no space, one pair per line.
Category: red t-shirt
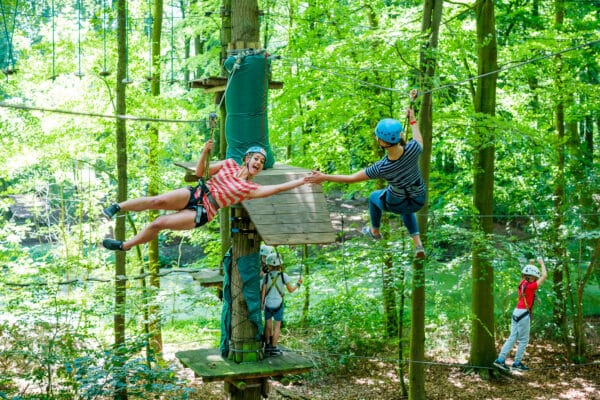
226,188
526,294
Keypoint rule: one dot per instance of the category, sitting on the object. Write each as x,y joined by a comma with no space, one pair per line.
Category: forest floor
550,378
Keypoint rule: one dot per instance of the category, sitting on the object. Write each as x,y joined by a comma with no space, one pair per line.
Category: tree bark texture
243,346
244,21
483,350
432,14
154,184
121,136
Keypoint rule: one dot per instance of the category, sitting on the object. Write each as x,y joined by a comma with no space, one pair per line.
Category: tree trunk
154,184
244,21
559,250
120,257
389,291
305,272
432,14
224,220
244,28
388,288
483,349
416,373
244,346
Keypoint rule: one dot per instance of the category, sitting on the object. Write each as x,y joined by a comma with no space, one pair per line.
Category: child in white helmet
521,317
273,288
265,251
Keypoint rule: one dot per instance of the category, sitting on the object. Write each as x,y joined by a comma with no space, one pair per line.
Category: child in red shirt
521,317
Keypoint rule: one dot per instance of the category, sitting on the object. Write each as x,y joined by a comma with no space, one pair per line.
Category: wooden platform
208,277
210,366
216,84
297,216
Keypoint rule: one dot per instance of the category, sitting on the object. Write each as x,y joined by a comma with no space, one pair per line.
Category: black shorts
194,204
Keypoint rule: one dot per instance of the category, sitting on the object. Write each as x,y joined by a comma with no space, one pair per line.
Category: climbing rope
412,97
79,73
105,72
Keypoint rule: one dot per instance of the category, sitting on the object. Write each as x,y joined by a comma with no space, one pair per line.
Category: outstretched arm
292,288
269,190
416,133
202,162
544,272
318,177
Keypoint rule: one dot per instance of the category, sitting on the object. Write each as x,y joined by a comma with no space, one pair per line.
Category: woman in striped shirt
406,192
229,184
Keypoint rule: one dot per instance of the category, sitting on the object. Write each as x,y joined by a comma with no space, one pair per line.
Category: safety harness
199,207
521,292
274,284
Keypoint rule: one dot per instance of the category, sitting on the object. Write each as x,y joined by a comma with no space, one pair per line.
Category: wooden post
243,344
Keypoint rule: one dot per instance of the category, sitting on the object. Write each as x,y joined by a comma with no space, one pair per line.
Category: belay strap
209,196
520,317
274,284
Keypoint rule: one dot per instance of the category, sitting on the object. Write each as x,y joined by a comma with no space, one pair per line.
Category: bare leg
417,240
276,333
174,200
268,330
179,221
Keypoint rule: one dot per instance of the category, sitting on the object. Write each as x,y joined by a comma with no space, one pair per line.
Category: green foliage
348,325
344,66
100,375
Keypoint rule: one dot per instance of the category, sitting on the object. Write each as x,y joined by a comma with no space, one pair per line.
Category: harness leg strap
199,211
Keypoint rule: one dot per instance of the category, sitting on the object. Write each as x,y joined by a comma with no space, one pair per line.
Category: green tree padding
246,124
249,271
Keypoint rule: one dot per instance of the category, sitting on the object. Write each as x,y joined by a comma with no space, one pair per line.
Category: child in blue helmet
521,316
406,192
229,184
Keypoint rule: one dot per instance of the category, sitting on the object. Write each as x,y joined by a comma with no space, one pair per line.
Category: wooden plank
208,277
299,238
286,228
293,217
219,84
210,366
287,208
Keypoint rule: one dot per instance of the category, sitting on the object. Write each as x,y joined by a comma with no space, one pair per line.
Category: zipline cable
97,115
510,65
361,82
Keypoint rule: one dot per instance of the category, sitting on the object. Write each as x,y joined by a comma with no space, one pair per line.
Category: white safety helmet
531,270
266,250
274,260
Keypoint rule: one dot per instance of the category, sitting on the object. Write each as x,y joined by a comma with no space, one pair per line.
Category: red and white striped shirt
226,188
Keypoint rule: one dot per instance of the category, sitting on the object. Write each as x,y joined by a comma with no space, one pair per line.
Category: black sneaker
112,244
267,349
276,351
520,367
500,364
111,210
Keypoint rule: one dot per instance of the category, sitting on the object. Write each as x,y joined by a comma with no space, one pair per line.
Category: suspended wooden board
297,216
208,277
210,366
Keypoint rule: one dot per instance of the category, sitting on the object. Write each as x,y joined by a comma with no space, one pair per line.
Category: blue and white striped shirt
403,175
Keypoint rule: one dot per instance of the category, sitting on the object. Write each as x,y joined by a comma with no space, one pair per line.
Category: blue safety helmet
389,130
256,149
